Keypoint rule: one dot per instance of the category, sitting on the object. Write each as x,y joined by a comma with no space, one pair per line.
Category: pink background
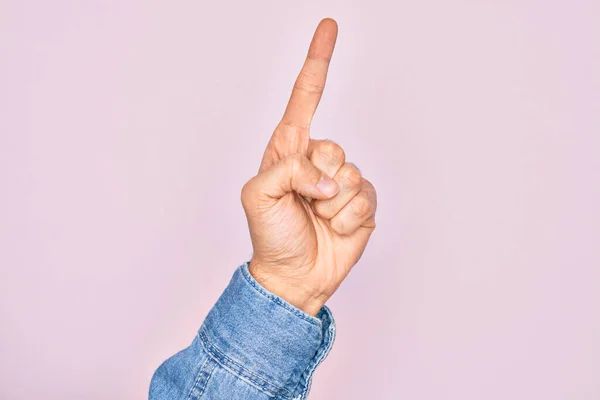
127,129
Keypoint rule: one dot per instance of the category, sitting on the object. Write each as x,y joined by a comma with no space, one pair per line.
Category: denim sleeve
253,345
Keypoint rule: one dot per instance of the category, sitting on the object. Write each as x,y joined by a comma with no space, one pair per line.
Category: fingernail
327,186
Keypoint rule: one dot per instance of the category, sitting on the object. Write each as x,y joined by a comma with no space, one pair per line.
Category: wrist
292,290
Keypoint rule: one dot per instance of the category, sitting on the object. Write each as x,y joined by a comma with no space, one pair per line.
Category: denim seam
205,381
317,362
238,369
319,357
308,318
201,379
197,379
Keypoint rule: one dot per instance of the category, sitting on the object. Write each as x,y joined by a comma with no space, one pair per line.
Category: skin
310,213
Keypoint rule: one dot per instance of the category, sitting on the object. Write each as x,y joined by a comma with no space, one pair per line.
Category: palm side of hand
310,213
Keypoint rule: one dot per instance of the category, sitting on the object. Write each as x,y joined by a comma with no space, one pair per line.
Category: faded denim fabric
253,345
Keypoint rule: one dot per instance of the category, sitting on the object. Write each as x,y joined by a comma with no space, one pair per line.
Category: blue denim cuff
264,340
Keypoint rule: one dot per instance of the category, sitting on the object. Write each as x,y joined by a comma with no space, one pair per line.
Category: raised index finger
311,80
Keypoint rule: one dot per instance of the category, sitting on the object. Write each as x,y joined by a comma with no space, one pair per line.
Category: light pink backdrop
127,129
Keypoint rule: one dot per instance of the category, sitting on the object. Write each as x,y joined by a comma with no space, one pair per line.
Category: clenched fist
309,212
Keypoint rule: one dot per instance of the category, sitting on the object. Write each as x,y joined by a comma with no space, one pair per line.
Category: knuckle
361,206
371,193
368,185
324,208
318,57
332,151
338,225
370,224
351,175
298,166
291,129
294,162
373,197
304,84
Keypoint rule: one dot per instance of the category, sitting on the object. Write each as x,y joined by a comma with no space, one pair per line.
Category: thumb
294,173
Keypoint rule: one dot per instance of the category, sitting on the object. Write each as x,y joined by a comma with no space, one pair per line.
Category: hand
309,212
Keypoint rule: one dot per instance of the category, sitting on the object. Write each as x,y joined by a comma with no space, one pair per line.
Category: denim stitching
306,380
205,382
189,397
235,367
276,299
314,366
